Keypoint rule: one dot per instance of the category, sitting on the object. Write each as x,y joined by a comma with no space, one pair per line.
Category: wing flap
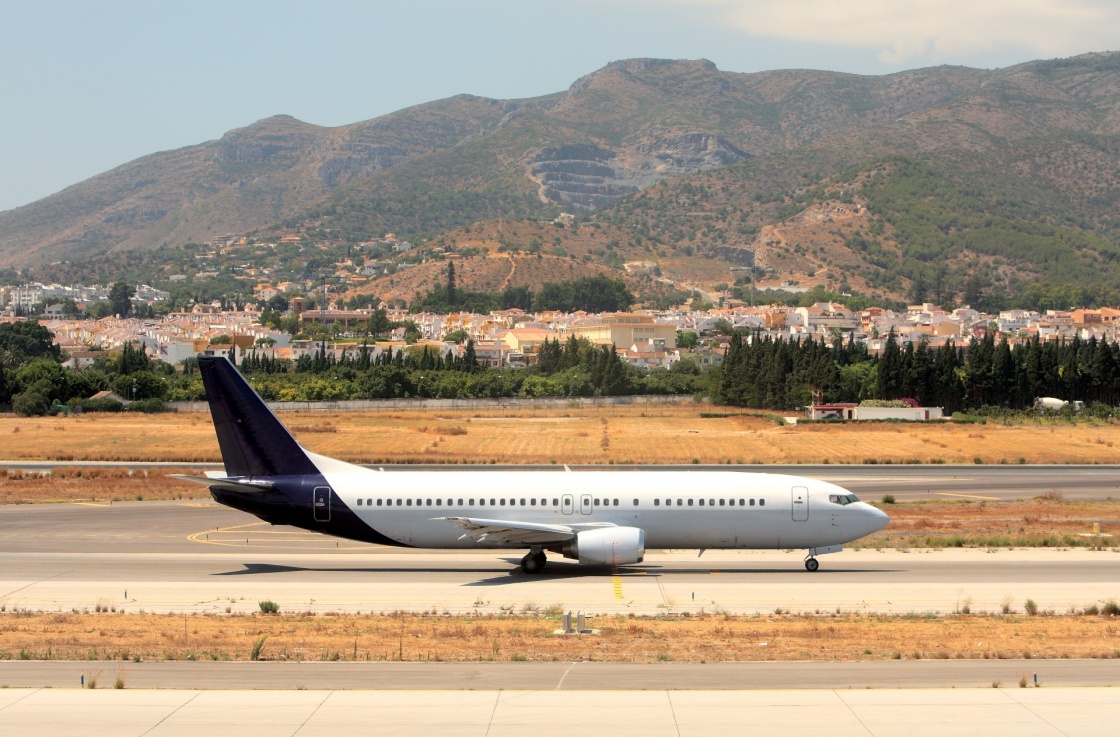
511,532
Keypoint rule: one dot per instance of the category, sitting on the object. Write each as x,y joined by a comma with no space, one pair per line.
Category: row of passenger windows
555,502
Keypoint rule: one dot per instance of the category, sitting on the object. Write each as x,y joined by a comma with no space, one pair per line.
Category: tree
120,298
687,339
452,297
21,342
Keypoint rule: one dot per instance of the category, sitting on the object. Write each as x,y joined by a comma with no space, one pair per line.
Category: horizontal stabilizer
226,484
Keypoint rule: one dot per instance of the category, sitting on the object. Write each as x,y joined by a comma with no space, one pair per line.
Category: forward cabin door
321,503
800,500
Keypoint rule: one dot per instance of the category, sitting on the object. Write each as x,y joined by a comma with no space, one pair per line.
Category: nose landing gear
534,561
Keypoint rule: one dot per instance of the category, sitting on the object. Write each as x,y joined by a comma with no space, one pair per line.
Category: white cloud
937,30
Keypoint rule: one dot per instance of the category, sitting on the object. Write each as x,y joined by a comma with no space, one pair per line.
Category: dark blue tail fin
252,439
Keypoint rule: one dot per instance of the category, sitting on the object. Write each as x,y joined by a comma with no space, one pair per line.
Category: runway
568,675
871,482
201,557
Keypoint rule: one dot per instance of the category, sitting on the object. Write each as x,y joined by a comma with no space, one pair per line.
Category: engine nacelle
607,546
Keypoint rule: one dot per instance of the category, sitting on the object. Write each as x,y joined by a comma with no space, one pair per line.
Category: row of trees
782,375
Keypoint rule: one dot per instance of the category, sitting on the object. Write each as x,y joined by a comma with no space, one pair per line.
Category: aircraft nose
876,519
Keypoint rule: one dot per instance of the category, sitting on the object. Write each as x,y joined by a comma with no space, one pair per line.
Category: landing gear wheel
811,564
533,562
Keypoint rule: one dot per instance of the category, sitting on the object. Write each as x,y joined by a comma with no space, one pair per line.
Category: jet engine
607,546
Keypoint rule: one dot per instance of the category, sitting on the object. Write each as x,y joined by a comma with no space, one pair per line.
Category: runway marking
93,504
616,581
968,496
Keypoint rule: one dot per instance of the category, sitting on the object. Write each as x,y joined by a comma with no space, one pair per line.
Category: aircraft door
321,503
800,499
585,504
567,504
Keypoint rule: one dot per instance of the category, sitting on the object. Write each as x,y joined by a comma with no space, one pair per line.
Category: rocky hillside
432,167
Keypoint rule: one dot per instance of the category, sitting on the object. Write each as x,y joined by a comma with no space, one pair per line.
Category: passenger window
493,502
439,502
731,502
711,502
502,501
752,502
635,502
721,502
616,502
410,502
690,502
359,502
379,502
429,502
657,502
701,502
556,502
762,502
461,502
532,502
544,502
680,502
596,502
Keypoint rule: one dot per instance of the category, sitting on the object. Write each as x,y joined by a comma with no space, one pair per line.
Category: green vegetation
989,377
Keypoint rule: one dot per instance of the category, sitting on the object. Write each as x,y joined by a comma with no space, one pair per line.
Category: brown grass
1035,522
711,638
72,484
606,435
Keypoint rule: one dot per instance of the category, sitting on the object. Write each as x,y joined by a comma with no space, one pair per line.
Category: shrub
888,499
269,607
1111,608
255,653
1031,607
30,404
104,404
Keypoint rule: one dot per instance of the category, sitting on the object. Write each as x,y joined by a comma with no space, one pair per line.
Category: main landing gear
534,561
811,564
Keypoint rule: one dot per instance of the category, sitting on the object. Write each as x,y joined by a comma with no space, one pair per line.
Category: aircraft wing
511,532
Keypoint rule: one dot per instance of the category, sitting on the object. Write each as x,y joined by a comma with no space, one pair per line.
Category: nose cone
874,519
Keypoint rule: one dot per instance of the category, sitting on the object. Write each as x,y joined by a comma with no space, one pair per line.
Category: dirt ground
657,434
531,636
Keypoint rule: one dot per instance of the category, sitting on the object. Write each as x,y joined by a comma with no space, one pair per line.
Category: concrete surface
838,713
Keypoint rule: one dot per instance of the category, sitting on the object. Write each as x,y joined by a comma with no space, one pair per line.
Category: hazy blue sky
86,86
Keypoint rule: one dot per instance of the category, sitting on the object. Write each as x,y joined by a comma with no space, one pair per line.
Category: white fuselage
675,509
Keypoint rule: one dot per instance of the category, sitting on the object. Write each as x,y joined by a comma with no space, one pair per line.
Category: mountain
891,184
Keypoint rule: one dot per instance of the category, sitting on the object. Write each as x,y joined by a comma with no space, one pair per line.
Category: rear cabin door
800,500
321,503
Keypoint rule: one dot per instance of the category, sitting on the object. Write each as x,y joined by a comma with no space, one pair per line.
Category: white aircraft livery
600,518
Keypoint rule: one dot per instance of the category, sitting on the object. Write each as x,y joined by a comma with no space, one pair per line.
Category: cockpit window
843,499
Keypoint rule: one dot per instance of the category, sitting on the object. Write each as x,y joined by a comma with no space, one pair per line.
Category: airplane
600,518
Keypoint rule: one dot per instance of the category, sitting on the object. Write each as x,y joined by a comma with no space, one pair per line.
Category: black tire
812,564
532,563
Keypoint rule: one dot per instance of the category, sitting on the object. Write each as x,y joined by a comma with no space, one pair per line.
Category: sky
87,86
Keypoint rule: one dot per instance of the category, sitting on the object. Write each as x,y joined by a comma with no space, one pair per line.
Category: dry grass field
530,635
579,435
